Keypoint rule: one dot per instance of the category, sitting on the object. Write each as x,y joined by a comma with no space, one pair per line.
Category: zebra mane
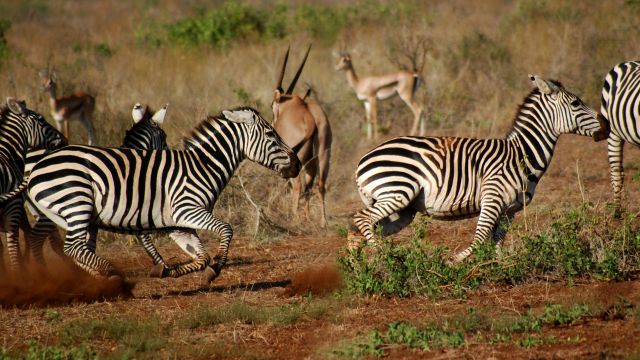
526,100
204,126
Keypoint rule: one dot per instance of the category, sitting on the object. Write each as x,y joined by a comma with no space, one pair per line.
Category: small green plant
103,49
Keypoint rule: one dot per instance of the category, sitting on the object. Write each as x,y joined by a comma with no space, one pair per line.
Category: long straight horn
284,66
295,78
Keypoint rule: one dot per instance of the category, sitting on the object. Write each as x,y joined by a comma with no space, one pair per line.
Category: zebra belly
438,204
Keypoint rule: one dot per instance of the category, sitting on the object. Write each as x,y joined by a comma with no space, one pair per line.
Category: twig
258,210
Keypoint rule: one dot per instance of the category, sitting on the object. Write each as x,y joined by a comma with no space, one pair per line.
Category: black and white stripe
451,178
20,130
145,134
83,188
620,107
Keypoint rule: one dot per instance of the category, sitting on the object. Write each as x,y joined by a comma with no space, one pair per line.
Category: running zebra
620,107
145,134
451,178
20,130
84,188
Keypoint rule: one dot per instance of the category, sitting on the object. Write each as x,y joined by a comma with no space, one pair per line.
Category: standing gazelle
370,89
78,105
304,126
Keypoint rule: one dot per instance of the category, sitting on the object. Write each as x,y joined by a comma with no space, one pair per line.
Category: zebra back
620,101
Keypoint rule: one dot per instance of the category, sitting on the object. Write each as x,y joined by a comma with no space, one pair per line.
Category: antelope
78,105
370,89
304,126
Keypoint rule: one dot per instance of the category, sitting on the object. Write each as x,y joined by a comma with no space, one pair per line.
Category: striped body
452,178
144,134
84,188
20,130
620,106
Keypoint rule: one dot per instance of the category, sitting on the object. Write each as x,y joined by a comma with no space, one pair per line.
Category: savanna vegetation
563,283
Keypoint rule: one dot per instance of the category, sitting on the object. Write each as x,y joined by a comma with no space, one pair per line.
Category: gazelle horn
284,66
295,78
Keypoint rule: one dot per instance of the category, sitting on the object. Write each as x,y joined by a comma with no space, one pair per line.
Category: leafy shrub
582,244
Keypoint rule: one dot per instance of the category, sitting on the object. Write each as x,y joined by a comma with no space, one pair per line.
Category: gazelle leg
296,191
66,129
367,112
88,124
615,147
374,116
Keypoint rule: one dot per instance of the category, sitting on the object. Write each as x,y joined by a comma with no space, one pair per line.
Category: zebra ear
543,85
137,113
158,117
16,107
239,116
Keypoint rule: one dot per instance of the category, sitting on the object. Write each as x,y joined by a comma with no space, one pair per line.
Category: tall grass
202,57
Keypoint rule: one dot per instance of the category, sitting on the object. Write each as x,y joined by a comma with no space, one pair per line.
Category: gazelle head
48,80
279,95
570,113
263,144
344,61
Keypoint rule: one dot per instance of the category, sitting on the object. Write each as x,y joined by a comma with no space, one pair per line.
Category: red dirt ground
274,273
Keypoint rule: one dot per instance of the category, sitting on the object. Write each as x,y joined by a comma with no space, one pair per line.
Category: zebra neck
13,144
534,143
219,164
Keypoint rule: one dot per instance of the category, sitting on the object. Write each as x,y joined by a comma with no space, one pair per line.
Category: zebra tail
15,192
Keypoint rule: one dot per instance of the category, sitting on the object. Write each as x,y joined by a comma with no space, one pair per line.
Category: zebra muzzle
603,132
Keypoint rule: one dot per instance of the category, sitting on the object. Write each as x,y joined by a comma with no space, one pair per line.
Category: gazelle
304,126
370,89
78,105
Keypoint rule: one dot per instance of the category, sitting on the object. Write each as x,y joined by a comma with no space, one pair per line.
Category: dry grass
475,73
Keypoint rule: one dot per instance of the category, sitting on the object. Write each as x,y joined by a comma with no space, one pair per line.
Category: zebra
145,134
620,109
451,178
85,188
20,130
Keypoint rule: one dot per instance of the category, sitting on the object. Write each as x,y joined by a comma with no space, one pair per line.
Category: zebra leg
152,251
14,211
204,219
367,218
397,221
80,246
40,231
490,211
615,146
190,244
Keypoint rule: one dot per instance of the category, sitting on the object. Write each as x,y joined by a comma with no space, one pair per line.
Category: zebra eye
575,103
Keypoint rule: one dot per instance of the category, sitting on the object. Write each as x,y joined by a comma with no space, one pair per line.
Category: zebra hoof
157,271
211,273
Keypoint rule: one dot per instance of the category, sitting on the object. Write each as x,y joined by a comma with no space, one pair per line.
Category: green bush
582,244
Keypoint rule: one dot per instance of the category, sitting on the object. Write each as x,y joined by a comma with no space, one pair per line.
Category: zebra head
39,133
569,113
146,132
263,144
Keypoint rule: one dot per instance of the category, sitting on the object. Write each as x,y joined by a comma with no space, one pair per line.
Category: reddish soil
274,273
